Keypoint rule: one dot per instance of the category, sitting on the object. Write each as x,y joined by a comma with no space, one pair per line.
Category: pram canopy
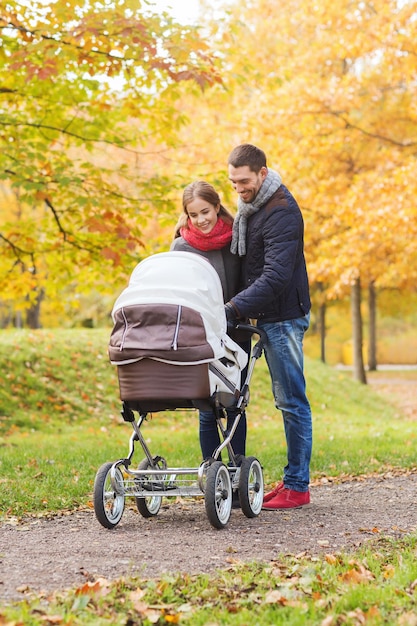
172,312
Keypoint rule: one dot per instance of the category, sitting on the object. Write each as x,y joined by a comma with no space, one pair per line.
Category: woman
205,228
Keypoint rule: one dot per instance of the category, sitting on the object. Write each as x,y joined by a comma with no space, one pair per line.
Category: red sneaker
287,499
274,492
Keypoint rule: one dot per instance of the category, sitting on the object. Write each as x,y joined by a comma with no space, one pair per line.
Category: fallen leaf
331,559
407,619
389,571
357,576
274,597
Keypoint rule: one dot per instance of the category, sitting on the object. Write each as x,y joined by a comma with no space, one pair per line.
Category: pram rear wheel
148,506
109,503
218,494
251,486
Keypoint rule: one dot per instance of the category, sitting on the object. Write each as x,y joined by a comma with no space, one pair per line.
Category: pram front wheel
109,503
218,494
251,486
149,505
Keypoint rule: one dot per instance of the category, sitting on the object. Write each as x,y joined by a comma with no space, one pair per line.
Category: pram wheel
150,505
109,503
251,486
218,494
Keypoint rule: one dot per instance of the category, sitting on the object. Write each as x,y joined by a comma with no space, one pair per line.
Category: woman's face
202,214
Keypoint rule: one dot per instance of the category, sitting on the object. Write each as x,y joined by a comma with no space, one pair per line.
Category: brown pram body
172,351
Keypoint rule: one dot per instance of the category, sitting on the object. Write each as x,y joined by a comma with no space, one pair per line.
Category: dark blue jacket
274,268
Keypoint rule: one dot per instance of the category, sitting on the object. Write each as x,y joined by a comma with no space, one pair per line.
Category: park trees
88,92
329,90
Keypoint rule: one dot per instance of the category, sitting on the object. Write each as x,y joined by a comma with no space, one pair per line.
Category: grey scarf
244,209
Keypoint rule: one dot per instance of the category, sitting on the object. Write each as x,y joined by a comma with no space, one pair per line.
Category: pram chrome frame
220,484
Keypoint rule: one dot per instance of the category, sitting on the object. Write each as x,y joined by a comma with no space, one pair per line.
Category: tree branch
67,236
394,142
16,249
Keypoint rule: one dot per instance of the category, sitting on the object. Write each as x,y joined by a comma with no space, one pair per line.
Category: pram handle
254,330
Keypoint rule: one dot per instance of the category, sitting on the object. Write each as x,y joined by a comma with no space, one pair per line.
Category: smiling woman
205,228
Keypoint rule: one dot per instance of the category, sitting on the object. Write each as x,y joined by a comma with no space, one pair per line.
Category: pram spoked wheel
218,494
149,505
251,486
109,502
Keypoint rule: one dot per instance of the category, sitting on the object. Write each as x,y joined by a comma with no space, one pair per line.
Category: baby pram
172,351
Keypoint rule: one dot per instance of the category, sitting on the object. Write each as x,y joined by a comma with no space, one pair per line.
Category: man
269,234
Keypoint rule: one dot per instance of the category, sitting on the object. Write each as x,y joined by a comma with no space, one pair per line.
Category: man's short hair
247,154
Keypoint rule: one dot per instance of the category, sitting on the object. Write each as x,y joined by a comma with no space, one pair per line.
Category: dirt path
44,555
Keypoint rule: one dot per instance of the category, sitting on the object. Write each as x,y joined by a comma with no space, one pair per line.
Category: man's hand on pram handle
231,317
242,326
231,312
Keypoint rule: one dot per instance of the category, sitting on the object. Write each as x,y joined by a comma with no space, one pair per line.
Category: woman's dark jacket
274,269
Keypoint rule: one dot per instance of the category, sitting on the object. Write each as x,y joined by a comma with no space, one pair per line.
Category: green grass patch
60,421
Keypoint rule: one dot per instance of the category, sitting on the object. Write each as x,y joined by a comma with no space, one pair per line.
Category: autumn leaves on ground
62,389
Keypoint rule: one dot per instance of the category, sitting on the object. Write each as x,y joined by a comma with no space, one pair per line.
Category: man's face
245,182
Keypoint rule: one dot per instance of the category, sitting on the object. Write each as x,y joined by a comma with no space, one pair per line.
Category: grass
59,421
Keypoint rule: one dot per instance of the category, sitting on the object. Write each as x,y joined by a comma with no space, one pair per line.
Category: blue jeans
210,436
285,359
209,433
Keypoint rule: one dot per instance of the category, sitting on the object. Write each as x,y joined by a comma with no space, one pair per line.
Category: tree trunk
34,312
372,360
358,366
18,322
322,323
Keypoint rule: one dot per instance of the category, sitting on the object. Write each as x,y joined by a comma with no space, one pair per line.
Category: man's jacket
274,268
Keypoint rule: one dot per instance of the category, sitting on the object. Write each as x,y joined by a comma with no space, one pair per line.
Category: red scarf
217,238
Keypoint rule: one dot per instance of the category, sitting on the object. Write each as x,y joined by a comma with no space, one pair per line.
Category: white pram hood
180,279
